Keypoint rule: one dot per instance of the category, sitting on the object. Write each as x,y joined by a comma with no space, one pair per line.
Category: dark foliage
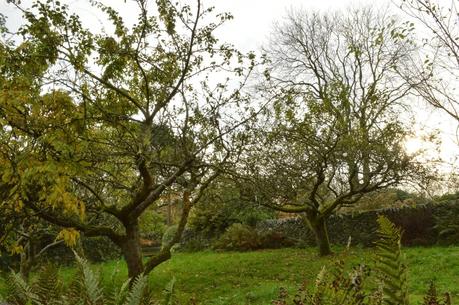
238,237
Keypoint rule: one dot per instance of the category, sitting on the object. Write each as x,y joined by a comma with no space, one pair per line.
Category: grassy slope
255,277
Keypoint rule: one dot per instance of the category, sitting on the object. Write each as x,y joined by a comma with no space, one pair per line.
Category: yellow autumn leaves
69,235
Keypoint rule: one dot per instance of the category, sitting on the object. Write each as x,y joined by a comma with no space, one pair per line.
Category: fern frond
73,289
89,282
431,298
21,292
137,291
47,285
114,291
389,262
118,296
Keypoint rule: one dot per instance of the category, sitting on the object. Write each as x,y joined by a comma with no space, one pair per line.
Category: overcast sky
253,19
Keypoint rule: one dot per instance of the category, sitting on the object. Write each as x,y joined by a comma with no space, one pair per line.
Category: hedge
419,224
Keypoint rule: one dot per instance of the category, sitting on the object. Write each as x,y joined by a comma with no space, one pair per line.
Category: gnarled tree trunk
131,249
318,226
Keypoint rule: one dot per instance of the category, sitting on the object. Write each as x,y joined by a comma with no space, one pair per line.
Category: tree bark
319,228
132,252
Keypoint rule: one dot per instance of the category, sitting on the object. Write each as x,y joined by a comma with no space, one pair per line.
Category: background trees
334,132
227,202
97,126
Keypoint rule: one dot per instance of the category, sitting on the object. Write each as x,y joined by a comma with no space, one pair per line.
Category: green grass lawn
255,277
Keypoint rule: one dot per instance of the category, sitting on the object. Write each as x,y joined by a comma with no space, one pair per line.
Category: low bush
423,225
294,228
196,240
195,243
99,249
275,240
382,282
8,261
238,237
213,219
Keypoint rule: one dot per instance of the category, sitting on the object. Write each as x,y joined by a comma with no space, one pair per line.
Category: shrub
275,240
194,243
238,237
8,261
423,225
214,218
294,229
418,225
210,220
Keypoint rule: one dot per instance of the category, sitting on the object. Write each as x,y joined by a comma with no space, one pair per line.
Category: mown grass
255,277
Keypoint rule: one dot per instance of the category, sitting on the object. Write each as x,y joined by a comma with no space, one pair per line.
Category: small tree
334,133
